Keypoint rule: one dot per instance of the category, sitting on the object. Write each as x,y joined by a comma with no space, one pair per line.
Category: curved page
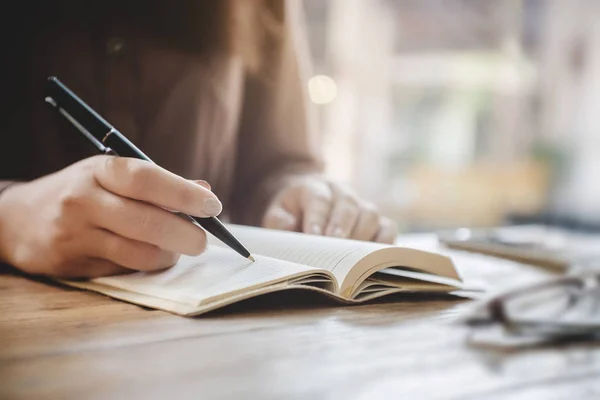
215,274
350,261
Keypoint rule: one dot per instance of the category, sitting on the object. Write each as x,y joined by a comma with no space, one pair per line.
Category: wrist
6,210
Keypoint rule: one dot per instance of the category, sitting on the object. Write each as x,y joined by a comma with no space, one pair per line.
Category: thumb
277,217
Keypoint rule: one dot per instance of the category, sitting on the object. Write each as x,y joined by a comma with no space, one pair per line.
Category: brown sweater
211,120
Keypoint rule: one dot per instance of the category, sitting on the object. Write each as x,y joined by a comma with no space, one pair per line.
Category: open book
347,270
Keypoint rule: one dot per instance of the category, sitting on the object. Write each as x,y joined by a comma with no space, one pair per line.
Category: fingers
97,267
129,253
367,225
344,215
387,231
321,208
144,181
103,253
145,223
89,267
352,218
316,202
277,217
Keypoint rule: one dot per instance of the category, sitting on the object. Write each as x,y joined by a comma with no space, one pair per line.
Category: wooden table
60,343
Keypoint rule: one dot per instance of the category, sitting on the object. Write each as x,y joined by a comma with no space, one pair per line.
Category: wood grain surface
62,343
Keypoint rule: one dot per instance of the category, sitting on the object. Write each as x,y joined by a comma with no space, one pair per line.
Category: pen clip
101,147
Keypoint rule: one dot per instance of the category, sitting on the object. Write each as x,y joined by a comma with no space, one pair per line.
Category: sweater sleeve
277,138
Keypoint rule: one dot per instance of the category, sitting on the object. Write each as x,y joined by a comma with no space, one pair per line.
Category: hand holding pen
101,216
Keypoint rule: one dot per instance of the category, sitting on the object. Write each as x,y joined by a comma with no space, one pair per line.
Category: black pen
109,140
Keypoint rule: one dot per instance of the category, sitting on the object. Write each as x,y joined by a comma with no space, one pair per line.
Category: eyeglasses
562,307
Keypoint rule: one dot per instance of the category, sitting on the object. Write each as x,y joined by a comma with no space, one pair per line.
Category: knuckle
61,232
107,166
61,235
318,196
316,192
147,224
140,178
58,222
74,198
370,212
98,160
278,218
345,209
125,175
89,165
115,164
270,219
369,207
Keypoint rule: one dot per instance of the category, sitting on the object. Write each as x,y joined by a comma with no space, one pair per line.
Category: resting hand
316,206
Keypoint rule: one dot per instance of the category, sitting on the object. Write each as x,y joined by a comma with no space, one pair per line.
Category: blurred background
452,113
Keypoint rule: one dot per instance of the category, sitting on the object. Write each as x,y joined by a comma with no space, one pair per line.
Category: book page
350,261
332,254
216,273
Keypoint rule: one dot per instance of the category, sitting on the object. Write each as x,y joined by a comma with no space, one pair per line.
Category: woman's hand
101,216
313,205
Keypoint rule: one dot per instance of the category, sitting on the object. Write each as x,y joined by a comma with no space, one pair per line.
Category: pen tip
251,258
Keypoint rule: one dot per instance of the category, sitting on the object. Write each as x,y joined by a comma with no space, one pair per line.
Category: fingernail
212,206
338,232
203,183
315,229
